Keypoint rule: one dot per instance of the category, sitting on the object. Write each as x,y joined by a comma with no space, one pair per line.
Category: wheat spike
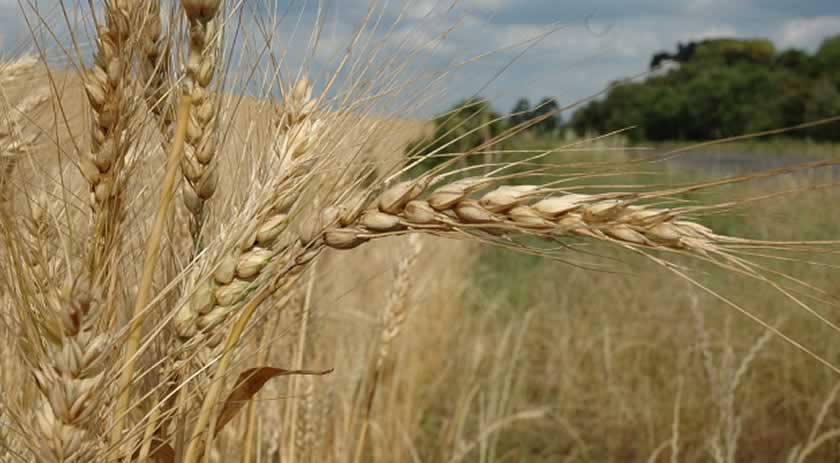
17,69
242,268
201,147
70,375
109,92
522,210
155,67
396,309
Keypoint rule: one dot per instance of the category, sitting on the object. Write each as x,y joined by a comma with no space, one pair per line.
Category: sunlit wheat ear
397,307
393,318
155,66
16,138
198,165
112,101
521,210
241,267
40,242
69,372
17,69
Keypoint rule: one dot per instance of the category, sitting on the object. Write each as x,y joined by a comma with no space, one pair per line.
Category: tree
468,127
549,109
724,87
827,58
824,102
793,59
520,113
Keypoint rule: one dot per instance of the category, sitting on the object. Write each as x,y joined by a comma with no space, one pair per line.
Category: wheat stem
300,350
215,389
149,269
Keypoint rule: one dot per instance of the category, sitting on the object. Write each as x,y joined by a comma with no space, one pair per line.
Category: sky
582,44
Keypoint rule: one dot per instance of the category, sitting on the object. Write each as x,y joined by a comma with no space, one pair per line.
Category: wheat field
211,254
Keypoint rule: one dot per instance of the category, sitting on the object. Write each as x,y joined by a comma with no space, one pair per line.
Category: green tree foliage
721,88
468,127
827,58
521,112
548,111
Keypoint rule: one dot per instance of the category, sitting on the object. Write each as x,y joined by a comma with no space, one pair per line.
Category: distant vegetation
473,126
704,90
724,87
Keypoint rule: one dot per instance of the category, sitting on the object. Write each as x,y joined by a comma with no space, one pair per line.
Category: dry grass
303,248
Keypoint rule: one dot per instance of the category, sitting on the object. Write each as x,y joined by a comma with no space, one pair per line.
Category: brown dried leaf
160,451
249,383
163,453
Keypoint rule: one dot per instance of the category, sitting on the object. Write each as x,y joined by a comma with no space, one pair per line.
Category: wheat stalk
149,268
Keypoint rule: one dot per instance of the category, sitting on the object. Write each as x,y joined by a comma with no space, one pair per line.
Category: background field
507,357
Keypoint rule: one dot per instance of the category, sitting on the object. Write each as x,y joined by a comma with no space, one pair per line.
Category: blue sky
592,42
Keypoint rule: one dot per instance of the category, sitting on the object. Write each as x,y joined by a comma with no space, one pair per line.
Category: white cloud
717,31
601,41
808,32
489,5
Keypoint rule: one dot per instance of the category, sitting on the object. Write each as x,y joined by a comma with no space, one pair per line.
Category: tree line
472,125
703,90
723,87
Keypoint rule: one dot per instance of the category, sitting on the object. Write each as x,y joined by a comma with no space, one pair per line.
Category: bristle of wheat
16,137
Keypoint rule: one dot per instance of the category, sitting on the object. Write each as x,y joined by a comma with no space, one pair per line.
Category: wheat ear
108,89
17,69
155,68
201,144
70,376
242,268
393,318
524,210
